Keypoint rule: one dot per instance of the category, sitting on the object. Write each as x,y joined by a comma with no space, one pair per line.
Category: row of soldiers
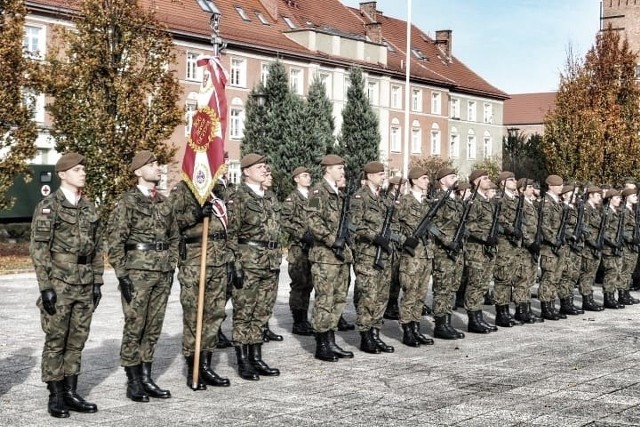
456,233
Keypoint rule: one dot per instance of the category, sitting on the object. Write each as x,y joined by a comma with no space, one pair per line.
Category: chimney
374,32
368,8
444,41
271,6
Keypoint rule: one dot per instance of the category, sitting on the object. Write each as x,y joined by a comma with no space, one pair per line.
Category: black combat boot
489,326
503,317
547,311
135,390
255,358
335,348
301,325
73,401
408,337
426,310
343,325
200,385
208,376
567,307
522,314
460,334
367,344
588,303
150,387
422,339
626,298
392,312
323,352
488,298
474,324
269,335
223,341
442,330
56,407
245,368
533,315
611,302
375,334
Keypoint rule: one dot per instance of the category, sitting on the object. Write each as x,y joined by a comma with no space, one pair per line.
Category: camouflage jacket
592,219
324,218
479,224
529,223
368,212
447,218
295,224
629,226
186,209
141,219
254,229
506,244
551,218
62,232
410,214
611,230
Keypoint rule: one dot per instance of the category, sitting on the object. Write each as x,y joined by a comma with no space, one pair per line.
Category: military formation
468,241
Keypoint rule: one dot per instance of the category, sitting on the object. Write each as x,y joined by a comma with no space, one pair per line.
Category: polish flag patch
46,211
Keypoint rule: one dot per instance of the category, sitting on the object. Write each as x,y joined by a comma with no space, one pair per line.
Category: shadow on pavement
16,369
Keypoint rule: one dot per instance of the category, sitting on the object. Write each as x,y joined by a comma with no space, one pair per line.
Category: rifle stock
386,230
456,244
343,226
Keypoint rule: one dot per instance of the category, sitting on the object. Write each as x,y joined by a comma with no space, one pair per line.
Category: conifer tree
115,93
319,126
18,130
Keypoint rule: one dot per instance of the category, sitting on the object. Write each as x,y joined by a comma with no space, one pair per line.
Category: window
242,14
372,92
236,124
347,84
637,72
486,147
262,19
416,138
190,110
455,108
33,43
436,104
35,102
289,22
193,71
471,146
471,111
395,137
435,140
416,100
396,97
238,72
264,73
418,54
208,6
295,80
234,171
487,113
454,144
325,78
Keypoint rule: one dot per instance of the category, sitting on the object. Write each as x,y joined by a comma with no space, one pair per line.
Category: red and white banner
203,158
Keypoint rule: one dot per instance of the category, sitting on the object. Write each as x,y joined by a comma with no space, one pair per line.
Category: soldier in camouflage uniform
190,217
396,184
254,228
368,211
630,249
294,223
591,251
143,250
611,255
447,271
463,192
225,189
552,249
330,259
416,261
66,250
479,252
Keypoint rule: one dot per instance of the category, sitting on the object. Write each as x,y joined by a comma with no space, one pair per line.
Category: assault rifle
490,249
456,244
516,236
578,231
537,240
342,235
602,228
636,228
561,235
425,226
386,230
619,242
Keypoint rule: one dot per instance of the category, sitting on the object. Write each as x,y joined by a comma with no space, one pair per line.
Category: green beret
628,191
69,160
477,174
444,172
299,170
331,160
554,180
373,167
417,172
251,159
142,158
505,176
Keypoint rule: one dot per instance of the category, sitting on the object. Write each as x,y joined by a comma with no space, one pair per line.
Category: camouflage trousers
550,266
480,269
447,277
301,284
414,278
373,293
253,305
66,331
611,265
394,288
513,280
330,284
588,270
570,273
629,261
213,306
144,316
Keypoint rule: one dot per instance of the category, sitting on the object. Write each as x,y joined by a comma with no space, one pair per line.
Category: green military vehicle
28,191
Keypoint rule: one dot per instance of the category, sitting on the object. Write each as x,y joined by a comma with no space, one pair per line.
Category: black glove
126,288
453,247
410,245
517,234
534,248
204,211
382,242
307,238
49,299
170,278
238,278
338,244
97,295
492,241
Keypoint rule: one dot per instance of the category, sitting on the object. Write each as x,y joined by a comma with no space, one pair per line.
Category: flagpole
407,95
216,41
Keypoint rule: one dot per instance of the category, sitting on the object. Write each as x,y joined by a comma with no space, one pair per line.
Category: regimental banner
204,153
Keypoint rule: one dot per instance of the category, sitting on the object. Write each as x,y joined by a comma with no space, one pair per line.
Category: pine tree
593,132
114,93
18,131
319,125
359,140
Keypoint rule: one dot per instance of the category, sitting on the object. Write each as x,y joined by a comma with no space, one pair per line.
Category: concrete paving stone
557,420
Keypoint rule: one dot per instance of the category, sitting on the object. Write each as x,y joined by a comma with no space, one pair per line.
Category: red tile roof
528,108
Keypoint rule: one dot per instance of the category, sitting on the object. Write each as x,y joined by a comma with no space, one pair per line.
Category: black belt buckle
83,259
272,244
159,246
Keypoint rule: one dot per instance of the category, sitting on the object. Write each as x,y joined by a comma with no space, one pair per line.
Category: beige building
454,113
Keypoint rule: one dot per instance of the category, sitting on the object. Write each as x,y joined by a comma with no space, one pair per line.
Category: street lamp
260,97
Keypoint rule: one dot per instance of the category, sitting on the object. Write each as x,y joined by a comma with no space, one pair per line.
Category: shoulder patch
314,203
46,211
357,196
316,191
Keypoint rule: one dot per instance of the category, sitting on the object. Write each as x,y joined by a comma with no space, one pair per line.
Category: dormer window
418,54
208,6
289,22
242,14
262,18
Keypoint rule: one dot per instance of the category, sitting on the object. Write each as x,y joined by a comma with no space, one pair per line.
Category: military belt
269,244
72,258
155,246
213,236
